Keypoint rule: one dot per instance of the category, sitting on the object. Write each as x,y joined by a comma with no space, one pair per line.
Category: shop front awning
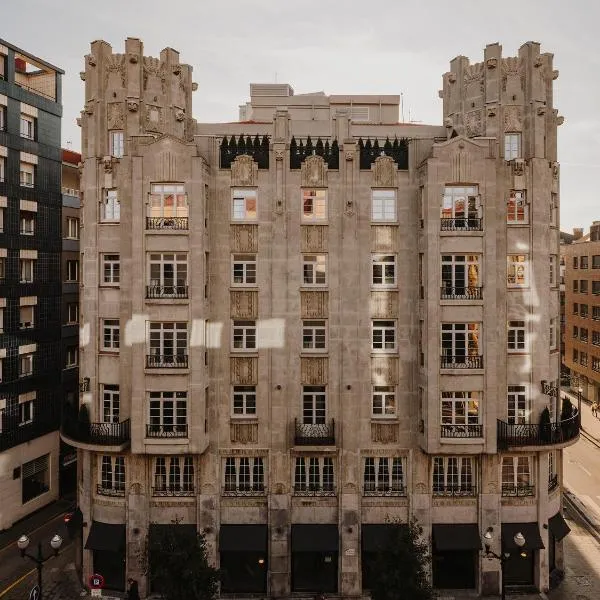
315,538
456,536
531,532
243,538
558,526
108,537
376,537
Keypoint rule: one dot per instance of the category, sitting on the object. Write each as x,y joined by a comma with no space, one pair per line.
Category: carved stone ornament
115,71
89,108
135,489
133,59
78,121
518,167
107,163
555,74
555,170
115,115
491,63
541,111
279,155
176,69
314,172
492,111
560,120
451,77
194,86
421,488
473,123
153,118
179,114
349,155
82,75
513,118
538,62
133,104
244,171
91,59
384,172
448,123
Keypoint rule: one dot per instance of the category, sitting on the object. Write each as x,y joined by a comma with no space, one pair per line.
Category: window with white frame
517,477
168,274
314,335
517,270
383,205
453,476
314,205
35,478
26,317
383,270
554,333
553,263
314,474
243,474
112,475
383,336
461,275
72,228
243,335
25,412
461,345
517,336
518,404
244,401
2,268
27,174
111,403
314,404
167,414
72,313
167,201
314,269
2,167
117,143
243,269
459,205
1,319
517,210
168,342
110,209
111,269
26,269
27,128
2,107
384,401
552,470
173,475
384,475
244,204
512,146
72,274
26,364
27,222
461,414
110,335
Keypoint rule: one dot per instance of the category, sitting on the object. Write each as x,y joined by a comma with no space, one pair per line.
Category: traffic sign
35,592
96,581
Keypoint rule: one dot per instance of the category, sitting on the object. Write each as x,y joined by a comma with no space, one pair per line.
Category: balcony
552,482
157,292
96,434
514,435
518,491
462,431
177,223
173,491
112,491
309,434
461,361
387,491
455,491
461,293
166,361
309,490
244,491
166,431
461,224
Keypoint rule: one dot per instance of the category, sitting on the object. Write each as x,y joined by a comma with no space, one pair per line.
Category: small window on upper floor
517,272
512,146
27,224
517,211
72,271
244,205
575,262
27,174
2,168
26,317
2,111
117,144
72,232
110,210
28,127
26,268
314,205
583,262
383,205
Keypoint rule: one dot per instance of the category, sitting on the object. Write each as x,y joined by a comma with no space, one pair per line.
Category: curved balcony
113,437
518,435
317,434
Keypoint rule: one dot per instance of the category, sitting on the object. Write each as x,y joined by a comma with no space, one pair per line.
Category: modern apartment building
306,325
582,312
30,288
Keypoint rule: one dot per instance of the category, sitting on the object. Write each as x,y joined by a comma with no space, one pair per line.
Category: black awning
558,526
531,532
376,537
109,537
243,538
456,536
315,538
157,530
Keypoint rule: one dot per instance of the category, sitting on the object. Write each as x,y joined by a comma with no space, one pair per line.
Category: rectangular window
461,415
110,335
2,269
72,274
26,365
460,208
244,401
111,269
173,476
583,359
575,331
518,405
314,335
243,335
575,355
244,205
384,401
575,285
517,270
384,476
517,210
461,276
72,313
243,269
517,477
244,476
553,333
383,336
575,262
453,476
583,310
167,275
314,205
314,269
117,143
596,313
111,404
596,261
553,263
595,287
583,262
28,127
314,475
112,476
26,317
72,228
110,210
314,404
26,269
168,345
461,346
2,166
25,412
383,270
167,414
168,207
583,334
512,146
596,338
517,336
35,478
595,364
27,223
2,107
575,308
383,205
583,286
72,358
27,174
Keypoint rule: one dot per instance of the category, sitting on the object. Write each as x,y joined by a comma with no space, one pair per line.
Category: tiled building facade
307,323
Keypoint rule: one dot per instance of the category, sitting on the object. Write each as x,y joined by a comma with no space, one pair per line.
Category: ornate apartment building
303,327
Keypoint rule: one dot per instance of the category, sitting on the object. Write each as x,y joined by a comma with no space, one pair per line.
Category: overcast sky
349,46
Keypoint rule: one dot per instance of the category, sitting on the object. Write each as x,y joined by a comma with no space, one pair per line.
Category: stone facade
283,241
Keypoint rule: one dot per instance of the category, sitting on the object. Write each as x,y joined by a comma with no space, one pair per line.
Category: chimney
577,233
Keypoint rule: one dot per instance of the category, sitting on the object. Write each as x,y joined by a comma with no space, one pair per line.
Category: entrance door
314,572
454,569
111,565
519,570
244,572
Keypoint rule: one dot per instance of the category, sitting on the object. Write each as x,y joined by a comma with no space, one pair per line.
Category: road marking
30,533
12,585
591,504
584,469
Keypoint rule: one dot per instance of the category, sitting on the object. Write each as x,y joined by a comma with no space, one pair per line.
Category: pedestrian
132,590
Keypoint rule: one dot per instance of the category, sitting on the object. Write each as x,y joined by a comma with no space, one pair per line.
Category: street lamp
39,560
579,393
488,538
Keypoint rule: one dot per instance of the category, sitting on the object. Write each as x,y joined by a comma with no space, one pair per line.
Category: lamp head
519,539
23,543
56,543
488,536
580,390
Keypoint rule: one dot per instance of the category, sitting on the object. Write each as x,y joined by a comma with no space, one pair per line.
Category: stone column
349,562
279,546
543,576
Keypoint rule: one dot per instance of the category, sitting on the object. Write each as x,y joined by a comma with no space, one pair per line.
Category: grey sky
349,46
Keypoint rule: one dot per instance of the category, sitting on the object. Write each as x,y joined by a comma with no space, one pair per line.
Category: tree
401,571
178,565
545,425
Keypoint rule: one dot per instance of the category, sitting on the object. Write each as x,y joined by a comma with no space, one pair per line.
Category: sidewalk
589,423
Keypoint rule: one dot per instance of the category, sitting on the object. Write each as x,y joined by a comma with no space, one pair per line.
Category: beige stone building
303,325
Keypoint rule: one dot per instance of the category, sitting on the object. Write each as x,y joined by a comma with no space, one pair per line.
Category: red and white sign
96,581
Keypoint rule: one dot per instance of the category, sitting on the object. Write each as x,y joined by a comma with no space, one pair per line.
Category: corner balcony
461,224
460,293
462,431
519,435
158,292
166,431
113,437
309,434
167,223
166,361
461,361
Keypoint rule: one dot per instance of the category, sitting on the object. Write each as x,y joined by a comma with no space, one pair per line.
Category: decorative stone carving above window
314,304
243,433
153,118
384,370
384,238
384,171
513,118
314,172
115,115
243,238
491,63
244,370
133,104
473,123
384,433
244,304
244,171
384,305
314,238
314,370
179,114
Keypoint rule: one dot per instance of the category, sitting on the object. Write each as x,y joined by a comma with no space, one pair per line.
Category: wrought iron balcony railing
372,490
462,431
461,361
166,361
309,434
166,291
461,293
169,490
102,434
116,492
461,224
250,490
166,431
511,435
307,490
455,491
552,482
519,490
166,223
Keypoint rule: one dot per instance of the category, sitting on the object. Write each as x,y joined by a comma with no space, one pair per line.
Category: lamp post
579,394
39,560
488,538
